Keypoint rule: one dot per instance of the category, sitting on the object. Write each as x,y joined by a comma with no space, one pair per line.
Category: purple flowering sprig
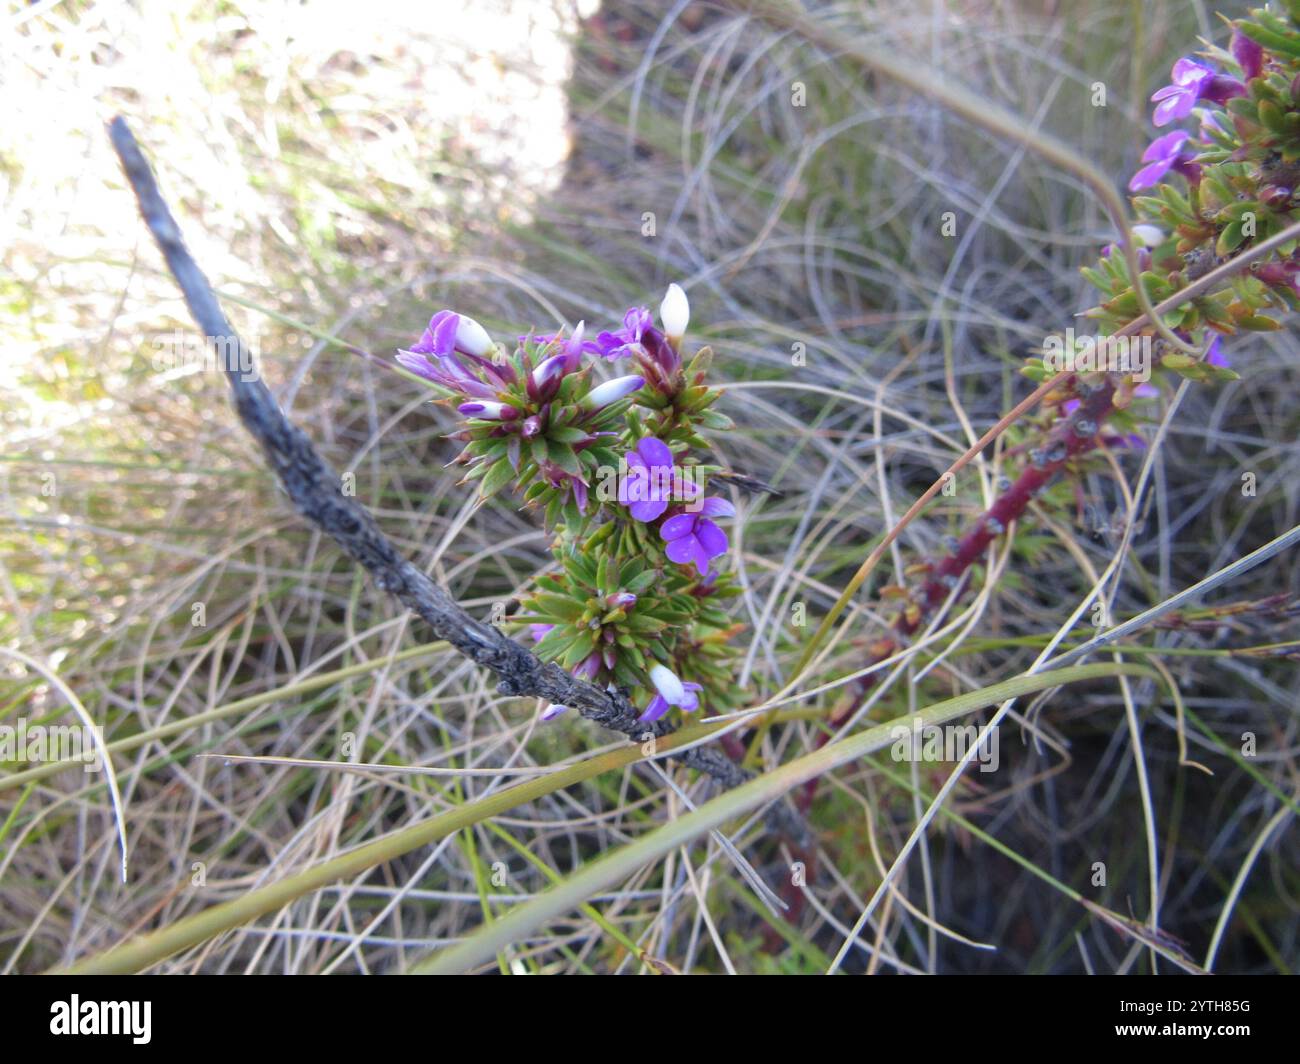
632,602
1209,194
537,419
631,624
1205,197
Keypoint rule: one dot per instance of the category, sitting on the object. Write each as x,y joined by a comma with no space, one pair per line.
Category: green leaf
1229,240
642,583
559,606
555,643
1271,115
566,434
501,473
564,457
1259,323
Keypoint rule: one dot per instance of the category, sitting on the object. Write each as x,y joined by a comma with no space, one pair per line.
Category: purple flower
449,333
574,348
651,481
553,710
544,381
692,537
1248,54
660,361
1175,102
671,692
577,346
447,373
1163,155
538,631
627,340
450,353
621,600
1214,355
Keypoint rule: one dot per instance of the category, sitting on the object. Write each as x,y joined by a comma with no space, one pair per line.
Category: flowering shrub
1205,196
614,470
1238,184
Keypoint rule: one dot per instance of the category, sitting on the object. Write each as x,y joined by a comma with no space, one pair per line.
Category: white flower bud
1148,235
471,337
611,391
675,313
667,684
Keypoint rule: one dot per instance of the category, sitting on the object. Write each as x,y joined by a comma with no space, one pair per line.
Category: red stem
1068,439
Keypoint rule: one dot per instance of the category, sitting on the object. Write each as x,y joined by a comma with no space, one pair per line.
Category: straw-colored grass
342,176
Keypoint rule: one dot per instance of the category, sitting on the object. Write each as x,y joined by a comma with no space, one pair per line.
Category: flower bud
1148,235
675,313
489,411
471,337
611,392
667,684
573,348
1248,53
546,377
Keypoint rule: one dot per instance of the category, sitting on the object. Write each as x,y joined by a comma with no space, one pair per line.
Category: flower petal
667,684
1149,175
1189,72
656,709
675,311
713,541
648,511
1165,147
678,526
655,452
682,550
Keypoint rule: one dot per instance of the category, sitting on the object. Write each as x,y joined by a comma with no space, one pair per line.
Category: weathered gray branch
316,491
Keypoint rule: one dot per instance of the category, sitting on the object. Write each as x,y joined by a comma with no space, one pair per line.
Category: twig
316,491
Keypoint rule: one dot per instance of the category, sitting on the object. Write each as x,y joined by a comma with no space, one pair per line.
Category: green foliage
1242,179
613,605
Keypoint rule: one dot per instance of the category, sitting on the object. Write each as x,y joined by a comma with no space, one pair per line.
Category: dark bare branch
316,491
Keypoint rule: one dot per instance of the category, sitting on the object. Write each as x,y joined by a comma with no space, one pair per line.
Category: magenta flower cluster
653,485
1191,83
456,353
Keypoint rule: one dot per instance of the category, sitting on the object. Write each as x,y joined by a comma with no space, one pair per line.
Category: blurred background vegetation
342,171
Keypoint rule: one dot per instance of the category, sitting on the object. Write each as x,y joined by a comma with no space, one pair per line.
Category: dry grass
341,177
